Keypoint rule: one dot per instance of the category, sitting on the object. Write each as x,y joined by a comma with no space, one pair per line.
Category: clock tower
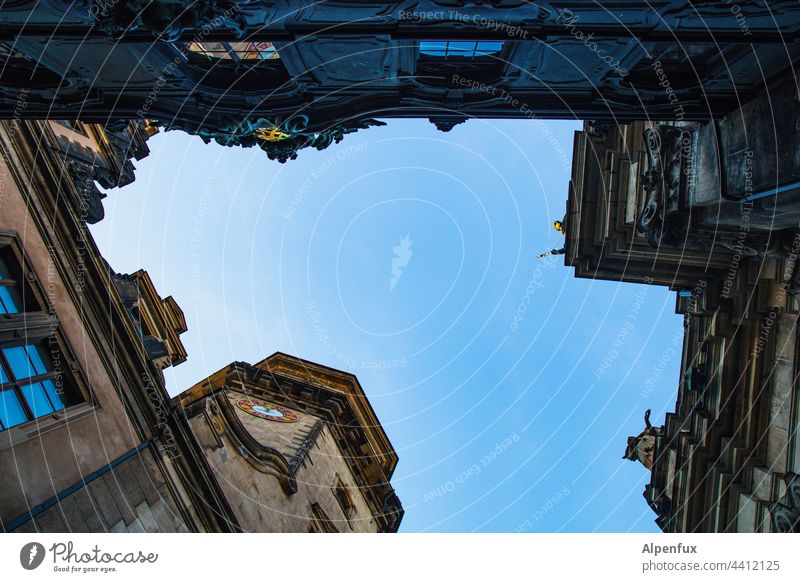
295,446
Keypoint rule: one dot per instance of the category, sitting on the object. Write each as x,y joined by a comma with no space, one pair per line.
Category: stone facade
676,205
92,442
133,496
725,457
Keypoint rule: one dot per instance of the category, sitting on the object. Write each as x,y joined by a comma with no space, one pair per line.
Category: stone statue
642,446
558,226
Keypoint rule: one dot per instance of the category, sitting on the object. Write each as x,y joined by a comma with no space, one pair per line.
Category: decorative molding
281,141
659,221
446,123
168,19
86,199
263,458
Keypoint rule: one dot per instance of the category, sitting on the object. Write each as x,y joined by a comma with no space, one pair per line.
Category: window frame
474,55
438,71
222,74
320,522
18,385
234,55
343,497
35,324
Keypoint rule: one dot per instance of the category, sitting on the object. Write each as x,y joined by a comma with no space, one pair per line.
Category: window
31,383
10,301
320,522
28,385
342,494
248,67
440,60
235,51
459,50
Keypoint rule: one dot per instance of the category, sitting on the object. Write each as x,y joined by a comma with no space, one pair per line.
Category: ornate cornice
168,19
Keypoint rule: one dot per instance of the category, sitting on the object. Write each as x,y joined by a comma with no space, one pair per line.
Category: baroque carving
280,141
786,514
89,201
121,147
168,19
111,167
444,123
660,220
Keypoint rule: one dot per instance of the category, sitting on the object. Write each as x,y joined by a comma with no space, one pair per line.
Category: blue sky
408,257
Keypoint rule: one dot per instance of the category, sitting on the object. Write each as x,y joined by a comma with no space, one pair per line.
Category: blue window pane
7,301
489,47
52,392
36,359
11,413
461,48
25,361
435,48
20,363
3,375
37,399
18,360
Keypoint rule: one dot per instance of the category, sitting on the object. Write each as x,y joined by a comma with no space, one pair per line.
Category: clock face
265,410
